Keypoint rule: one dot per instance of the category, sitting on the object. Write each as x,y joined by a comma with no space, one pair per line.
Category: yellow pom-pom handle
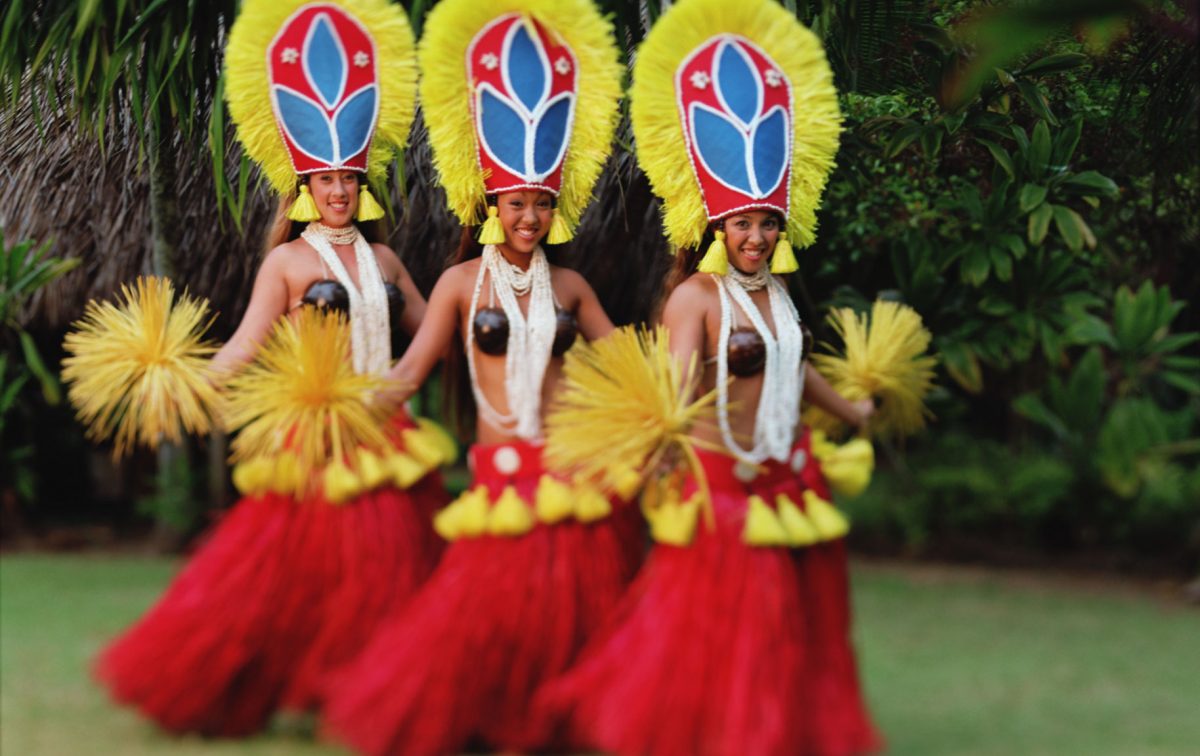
784,259
491,232
554,500
829,522
591,505
716,259
304,209
510,516
762,526
800,530
368,208
848,467
560,232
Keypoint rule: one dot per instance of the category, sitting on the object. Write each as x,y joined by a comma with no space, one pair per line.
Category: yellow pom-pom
800,529
304,209
429,443
625,481
672,522
828,521
341,484
368,208
491,232
473,521
287,476
848,467
716,259
560,232
762,526
510,516
448,522
554,500
253,476
405,469
590,504
372,469
784,259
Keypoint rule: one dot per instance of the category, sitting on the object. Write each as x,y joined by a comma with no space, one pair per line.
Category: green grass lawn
955,662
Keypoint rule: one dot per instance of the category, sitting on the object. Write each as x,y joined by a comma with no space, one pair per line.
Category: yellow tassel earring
715,259
560,233
304,209
784,260
492,232
368,208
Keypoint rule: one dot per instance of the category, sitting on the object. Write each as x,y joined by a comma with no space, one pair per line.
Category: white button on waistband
506,460
799,460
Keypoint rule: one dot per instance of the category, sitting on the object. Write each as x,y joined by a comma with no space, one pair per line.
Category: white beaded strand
530,339
783,376
370,326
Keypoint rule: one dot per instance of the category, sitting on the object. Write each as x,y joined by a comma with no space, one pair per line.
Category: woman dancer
293,579
521,99
734,638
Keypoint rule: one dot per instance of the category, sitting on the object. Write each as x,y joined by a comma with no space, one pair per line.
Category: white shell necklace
370,327
783,379
530,339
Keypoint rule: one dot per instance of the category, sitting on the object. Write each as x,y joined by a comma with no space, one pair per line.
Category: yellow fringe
475,507
368,208
554,500
340,482
800,529
492,232
510,515
405,469
304,209
716,259
372,470
658,130
847,468
560,232
247,88
253,476
672,521
591,505
784,259
762,526
829,522
449,29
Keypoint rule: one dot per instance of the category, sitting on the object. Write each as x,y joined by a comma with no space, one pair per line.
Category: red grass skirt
281,592
499,616
722,648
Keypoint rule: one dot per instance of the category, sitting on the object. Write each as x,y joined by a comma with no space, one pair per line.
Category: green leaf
1074,231
1054,63
975,265
1001,263
1091,182
904,136
1066,142
1181,381
1015,244
1031,407
962,365
50,387
1031,196
1033,95
1039,149
998,308
1000,155
1089,329
1039,223
931,141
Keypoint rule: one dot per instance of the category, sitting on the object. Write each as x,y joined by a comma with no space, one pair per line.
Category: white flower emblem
700,80
289,55
361,59
489,61
562,65
774,78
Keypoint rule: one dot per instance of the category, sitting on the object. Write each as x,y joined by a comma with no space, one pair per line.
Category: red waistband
508,461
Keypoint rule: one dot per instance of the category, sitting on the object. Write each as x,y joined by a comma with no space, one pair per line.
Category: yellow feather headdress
461,57
299,79
724,93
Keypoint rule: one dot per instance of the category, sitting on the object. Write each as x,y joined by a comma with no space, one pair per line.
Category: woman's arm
594,322
818,391
414,303
683,316
268,301
438,326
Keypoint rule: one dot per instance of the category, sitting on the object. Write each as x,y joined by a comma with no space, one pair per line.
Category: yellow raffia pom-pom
492,231
560,232
658,130
301,394
716,259
510,516
828,521
846,467
304,209
340,482
247,86
554,502
784,259
762,527
373,469
475,505
368,208
406,469
254,476
672,521
590,504
800,529
621,404
445,97
139,370
884,359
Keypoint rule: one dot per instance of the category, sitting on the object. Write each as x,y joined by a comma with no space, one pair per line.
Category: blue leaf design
353,122
502,130
525,68
325,61
721,146
770,151
305,124
551,135
737,82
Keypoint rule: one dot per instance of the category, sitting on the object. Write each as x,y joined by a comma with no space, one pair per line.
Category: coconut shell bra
330,294
491,331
